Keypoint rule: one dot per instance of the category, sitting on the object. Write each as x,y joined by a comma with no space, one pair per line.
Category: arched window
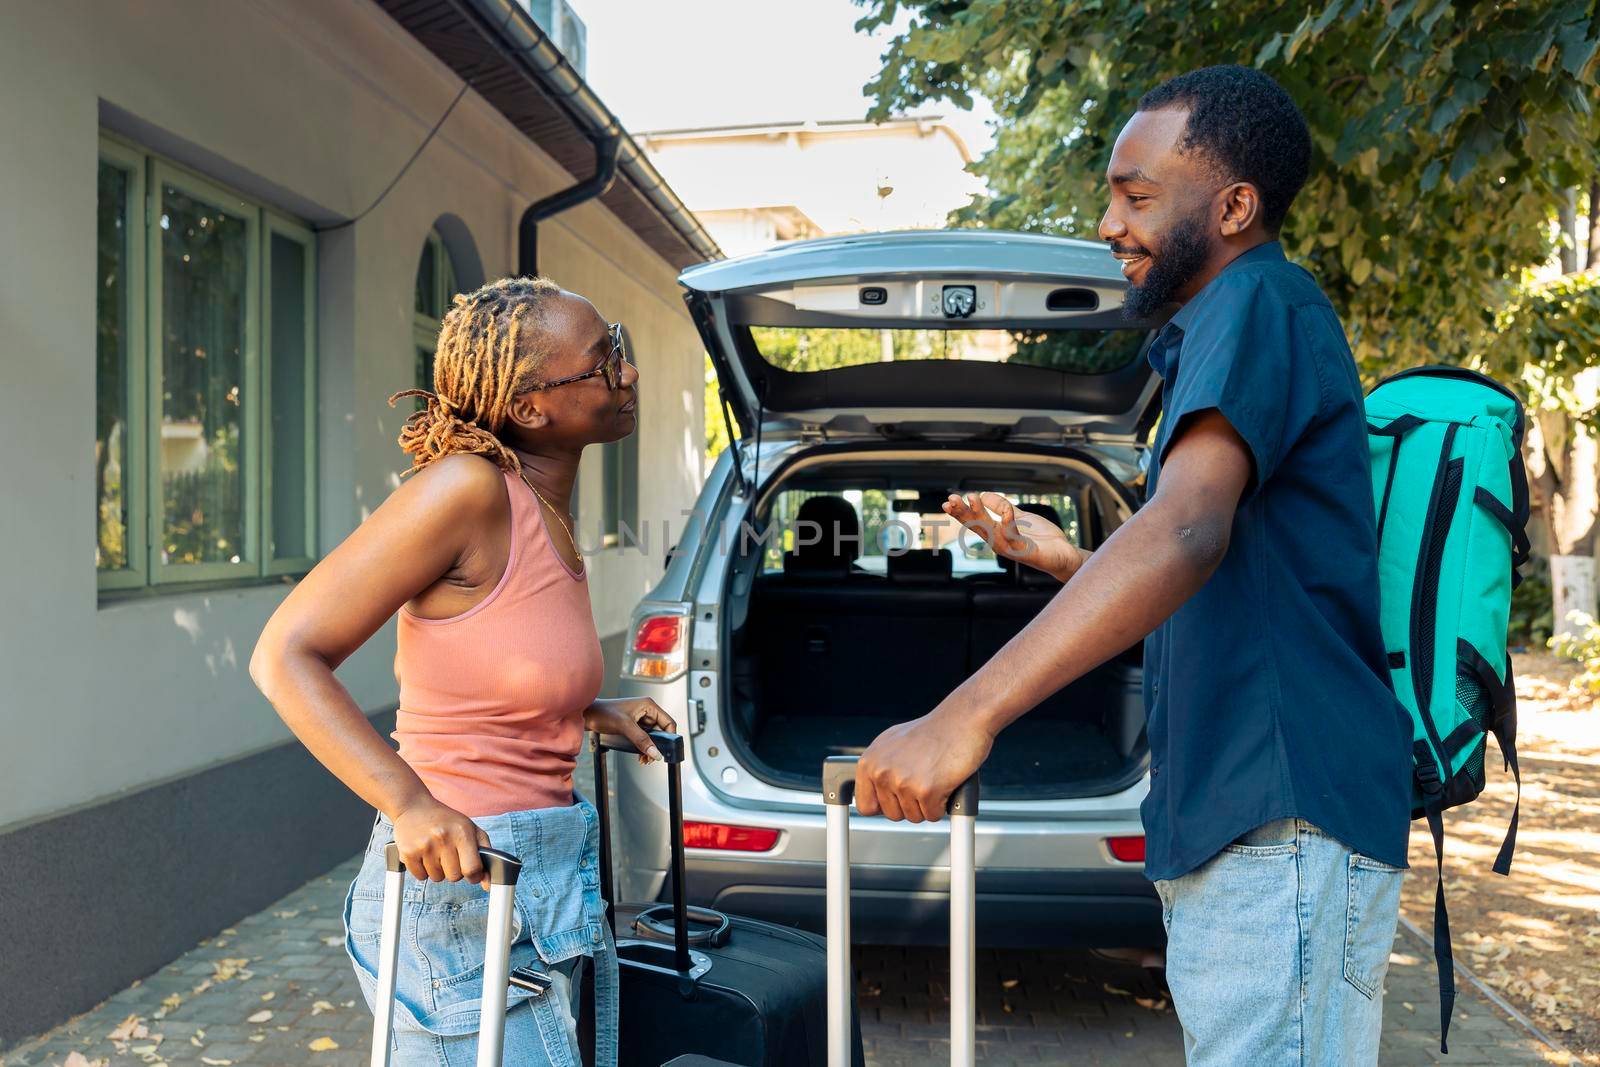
436,285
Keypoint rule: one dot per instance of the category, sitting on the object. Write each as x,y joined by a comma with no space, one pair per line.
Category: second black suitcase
695,980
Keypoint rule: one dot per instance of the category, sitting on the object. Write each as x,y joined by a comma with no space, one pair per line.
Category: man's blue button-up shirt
1268,692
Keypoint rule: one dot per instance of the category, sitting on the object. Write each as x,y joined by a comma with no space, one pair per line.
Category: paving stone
1061,1009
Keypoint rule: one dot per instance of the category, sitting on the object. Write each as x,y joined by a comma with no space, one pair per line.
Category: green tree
1547,335
1445,133
1451,139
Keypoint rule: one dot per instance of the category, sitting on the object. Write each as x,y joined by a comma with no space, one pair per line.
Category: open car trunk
829,648
1011,346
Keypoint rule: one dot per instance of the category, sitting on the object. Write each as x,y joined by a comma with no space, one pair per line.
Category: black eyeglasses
610,367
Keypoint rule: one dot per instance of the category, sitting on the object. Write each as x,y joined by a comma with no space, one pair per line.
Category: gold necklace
573,541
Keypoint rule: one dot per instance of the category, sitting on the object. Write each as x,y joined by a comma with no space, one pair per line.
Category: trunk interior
829,648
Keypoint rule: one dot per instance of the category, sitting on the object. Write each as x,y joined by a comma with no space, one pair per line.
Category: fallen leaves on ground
230,968
168,1002
128,1029
321,1006
323,1044
1156,1004
1530,936
259,1017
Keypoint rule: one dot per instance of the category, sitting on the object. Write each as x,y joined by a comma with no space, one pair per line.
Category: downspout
605,172
511,29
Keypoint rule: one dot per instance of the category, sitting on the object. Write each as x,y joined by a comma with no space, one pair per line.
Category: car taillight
659,648
658,634
1127,849
729,838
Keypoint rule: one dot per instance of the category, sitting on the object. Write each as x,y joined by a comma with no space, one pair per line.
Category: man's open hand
1019,535
911,769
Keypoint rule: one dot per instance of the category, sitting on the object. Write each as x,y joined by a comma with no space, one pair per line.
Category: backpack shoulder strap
1443,957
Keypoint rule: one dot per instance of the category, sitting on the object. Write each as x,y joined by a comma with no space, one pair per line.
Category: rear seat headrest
1044,511
921,565
840,540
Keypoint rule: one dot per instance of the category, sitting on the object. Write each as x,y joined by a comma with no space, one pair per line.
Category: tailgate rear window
821,348
893,520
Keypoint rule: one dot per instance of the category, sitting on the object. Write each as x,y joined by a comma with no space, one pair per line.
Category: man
1277,818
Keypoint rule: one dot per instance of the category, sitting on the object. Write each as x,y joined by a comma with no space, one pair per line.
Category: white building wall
311,107
832,174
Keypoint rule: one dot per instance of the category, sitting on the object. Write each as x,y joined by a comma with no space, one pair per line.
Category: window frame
143,483
163,174
425,330
619,461
276,224
135,472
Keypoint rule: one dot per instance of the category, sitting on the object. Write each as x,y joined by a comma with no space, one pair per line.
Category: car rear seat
1000,610
832,640
823,639
1008,601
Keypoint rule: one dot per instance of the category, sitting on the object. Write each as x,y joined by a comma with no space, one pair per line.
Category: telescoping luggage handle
838,790
503,869
671,748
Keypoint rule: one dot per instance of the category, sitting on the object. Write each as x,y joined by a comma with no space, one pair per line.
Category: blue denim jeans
557,921
1277,949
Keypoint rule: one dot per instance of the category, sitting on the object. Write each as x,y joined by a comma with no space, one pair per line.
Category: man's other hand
911,769
1019,535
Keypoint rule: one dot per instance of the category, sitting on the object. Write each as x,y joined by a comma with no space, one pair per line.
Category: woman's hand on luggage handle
633,718
439,843
1018,535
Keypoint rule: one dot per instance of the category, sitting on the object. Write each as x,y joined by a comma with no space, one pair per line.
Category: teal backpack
1452,503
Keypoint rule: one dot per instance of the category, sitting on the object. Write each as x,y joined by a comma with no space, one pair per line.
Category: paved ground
276,990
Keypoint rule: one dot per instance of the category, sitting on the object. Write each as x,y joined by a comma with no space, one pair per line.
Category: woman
499,667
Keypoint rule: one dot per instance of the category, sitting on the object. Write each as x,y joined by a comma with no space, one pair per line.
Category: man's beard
1182,255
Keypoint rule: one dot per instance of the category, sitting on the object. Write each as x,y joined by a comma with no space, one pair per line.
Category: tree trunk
1573,591
1593,258
1569,230
1561,468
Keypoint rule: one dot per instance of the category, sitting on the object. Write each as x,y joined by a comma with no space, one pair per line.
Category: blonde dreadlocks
490,350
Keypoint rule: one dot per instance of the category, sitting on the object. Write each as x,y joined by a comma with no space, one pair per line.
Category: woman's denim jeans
1277,949
559,918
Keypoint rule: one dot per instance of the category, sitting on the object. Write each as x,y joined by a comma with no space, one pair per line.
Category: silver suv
818,594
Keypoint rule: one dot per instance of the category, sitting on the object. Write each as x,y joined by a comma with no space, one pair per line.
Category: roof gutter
512,31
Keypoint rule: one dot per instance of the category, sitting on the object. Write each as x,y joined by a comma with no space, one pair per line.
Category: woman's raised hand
1018,535
440,843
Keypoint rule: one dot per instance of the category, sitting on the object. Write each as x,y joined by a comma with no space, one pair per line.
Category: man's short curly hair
1249,127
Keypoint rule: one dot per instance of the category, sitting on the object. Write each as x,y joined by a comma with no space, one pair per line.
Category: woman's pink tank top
492,700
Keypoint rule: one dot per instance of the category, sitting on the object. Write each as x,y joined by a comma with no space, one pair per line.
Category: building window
205,459
436,288
620,481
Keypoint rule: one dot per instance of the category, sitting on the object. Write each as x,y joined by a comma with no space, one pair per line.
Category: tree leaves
1444,132
1576,43
1464,93
1476,142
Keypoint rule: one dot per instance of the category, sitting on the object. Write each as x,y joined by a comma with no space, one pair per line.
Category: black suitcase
696,981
